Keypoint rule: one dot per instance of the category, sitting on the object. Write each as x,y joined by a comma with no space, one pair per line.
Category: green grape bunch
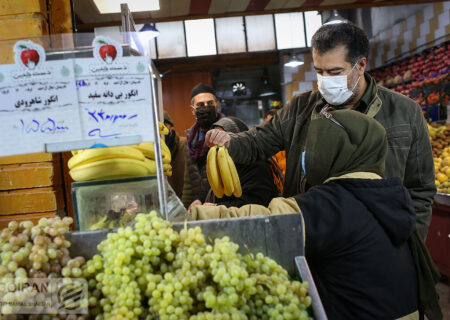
36,252
155,272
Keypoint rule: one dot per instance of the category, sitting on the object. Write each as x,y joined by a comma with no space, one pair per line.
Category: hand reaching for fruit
216,137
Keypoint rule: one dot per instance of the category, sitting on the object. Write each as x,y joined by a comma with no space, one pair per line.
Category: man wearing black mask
205,108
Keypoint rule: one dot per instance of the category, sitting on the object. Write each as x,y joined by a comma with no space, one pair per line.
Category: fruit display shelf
423,77
278,237
440,143
442,199
430,63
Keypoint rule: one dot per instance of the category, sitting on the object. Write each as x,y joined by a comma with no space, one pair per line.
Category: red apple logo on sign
29,57
107,52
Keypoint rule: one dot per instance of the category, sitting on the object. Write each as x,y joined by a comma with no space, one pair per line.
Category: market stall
131,251
147,267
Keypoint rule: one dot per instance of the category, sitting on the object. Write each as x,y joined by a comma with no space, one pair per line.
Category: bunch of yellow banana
222,174
109,163
162,130
119,162
148,150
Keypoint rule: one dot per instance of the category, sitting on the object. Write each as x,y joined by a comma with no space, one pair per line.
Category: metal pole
125,14
305,274
158,92
162,194
129,26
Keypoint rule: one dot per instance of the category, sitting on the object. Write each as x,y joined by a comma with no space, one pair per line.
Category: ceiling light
149,30
335,18
147,33
113,6
293,62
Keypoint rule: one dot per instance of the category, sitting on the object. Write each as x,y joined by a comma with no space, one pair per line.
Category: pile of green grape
31,252
154,272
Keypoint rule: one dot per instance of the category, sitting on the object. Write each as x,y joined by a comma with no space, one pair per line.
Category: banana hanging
225,172
212,171
222,173
237,189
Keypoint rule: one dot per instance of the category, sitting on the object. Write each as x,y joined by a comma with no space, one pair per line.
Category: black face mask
206,116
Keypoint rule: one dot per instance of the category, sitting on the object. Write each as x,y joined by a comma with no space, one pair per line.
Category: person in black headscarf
366,257
205,108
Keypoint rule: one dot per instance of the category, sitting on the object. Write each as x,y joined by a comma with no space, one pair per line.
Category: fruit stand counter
438,239
278,237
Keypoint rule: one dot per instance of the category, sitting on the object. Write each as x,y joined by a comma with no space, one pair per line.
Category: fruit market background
410,54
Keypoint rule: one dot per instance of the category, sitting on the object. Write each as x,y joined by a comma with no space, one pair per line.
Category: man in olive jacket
340,58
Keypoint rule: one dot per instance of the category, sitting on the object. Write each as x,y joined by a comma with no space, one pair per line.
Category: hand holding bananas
217,137
222,174
119,162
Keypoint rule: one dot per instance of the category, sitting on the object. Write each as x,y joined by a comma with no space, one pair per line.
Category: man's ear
193,110
361,67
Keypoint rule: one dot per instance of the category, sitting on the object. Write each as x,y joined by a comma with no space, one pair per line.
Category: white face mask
334,88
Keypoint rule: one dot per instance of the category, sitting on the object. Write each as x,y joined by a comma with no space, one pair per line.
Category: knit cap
202,88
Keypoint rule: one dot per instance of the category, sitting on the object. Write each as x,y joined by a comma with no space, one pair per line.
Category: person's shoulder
308,96
400,100
301,105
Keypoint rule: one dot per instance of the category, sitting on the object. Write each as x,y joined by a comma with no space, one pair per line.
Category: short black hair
330,36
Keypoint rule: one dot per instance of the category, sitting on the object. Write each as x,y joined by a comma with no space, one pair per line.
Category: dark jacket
178,165
196,185
409,151
257,186
356,246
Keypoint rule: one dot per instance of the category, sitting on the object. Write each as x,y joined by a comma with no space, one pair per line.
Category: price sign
38,101
74,103
114,93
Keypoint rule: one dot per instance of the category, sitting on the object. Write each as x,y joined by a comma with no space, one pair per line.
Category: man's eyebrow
207,101
331,70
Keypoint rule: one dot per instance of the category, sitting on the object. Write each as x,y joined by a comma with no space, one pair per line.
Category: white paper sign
114,93
64,105
38,101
